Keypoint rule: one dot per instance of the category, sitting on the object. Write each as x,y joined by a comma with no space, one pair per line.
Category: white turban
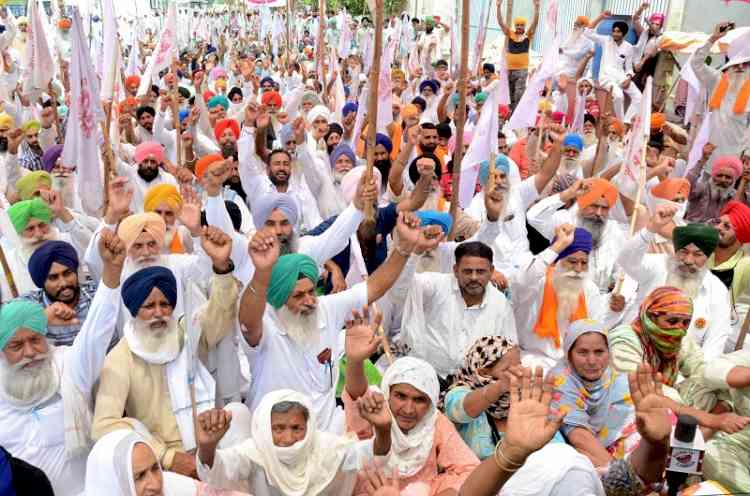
318,111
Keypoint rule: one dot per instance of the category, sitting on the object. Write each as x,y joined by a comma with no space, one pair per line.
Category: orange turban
271,98
225,124
202,165
207,95
598,188
410,110
64,23
132,81
162,193
670,188
657,121
618,127
582,19
132,227
129,101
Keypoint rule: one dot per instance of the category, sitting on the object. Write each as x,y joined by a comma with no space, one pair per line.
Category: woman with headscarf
594,398
658,336
287,454
426,449
123,464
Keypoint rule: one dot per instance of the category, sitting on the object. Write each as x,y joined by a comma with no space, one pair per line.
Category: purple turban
137,287
382,139
49,159
265,204
582,241
342,149
48,253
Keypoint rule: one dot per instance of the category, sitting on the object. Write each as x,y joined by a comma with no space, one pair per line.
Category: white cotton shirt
710,326
140,187
617,60
439,328
37,435
279,363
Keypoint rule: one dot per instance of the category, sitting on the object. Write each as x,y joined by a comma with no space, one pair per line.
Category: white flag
164,52
134,62
482,144
700,141
525,113
85,113
633,171
111,59
38,65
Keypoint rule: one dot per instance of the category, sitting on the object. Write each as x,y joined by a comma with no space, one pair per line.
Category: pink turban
727,162
351,179
657,18
149,149
216,73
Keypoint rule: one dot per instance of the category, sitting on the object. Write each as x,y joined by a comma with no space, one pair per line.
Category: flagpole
460,116
9,274
372,100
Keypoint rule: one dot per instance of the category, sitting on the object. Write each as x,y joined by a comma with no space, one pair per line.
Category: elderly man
150,373
149,157
594,200
283,321
212,171
45,391
553,292
710,192
710,324
166,201
728,93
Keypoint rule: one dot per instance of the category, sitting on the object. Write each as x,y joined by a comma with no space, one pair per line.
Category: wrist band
502,461
402,252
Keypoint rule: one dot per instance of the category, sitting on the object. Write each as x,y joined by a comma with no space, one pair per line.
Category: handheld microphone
686,451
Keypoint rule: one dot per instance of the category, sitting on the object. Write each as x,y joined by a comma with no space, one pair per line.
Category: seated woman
123,464
658,336
426,450
478,400
599,414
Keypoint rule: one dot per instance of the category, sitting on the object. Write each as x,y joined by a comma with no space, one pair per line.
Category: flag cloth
165,51
134,61
112,61
525,113
38,65
632,175
700,141
84,115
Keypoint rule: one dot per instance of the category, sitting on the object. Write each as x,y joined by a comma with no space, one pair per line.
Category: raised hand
564,235
14,140
574,191
251,114
661,222
264,118
120,196
409,230
651,416
111,248
183,174
429,238
367,192
59,314
362,339
212,425
54,200
217,244
373,409
190,213
708,150
264,249
299,130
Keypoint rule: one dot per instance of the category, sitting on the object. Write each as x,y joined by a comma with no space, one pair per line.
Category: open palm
652,418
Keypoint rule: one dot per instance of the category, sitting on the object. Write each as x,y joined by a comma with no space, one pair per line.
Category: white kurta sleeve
334,239
230,465
542,215
633,261
720,329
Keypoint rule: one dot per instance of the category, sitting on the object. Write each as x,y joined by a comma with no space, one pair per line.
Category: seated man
149,373
45,391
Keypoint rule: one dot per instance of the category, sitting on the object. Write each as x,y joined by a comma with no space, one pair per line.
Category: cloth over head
49,159
218,101
22,212
351,180
33,182
285,274
133,225
705,237
162,194
501,163
267,203
382,139
435,218
342,149
271,98
573,140
225,124
48,253
18,314
202,165
582,241
672,187
727,162
597,188
137,287
149,149
739,216
318,111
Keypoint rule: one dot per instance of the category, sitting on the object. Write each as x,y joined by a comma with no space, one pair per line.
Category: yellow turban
6,120
162,193
134,225
520,20
409,110
31,125
545,106
33,182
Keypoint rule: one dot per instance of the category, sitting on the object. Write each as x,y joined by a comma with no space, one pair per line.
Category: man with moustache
710,192
686,270
145,116
45,391
149,157
30,154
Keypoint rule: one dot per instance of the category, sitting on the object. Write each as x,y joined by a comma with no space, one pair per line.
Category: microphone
686,451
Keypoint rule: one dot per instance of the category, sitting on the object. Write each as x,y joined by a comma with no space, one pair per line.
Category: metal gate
567,12
628,7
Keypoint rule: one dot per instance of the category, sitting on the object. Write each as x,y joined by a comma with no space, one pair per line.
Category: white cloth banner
82,132
38,65
700,141
164,52
112,56
633,170
526,111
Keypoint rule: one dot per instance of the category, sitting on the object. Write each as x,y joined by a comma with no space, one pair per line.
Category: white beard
569,166
302,329
338,176
568,286
595,228
150,343
688,283
132,266
29,245
27,387
718,190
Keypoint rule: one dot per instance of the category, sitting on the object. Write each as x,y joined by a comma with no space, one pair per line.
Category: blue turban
582,241
434,85
219,100
349,108
501,164
137,287
573,140
265,204
342,149
21,313
382,139
285,274
435,218
267,79
184,114
286,134
47,254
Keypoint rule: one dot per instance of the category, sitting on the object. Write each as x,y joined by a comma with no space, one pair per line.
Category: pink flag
385,88
551,17
85,113
38,65
164,52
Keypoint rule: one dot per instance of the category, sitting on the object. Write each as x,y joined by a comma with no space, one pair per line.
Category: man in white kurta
147,173
43,428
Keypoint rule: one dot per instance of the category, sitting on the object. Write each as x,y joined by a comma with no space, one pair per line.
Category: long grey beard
690,284
28,247
302,329
594,227
28,387
164,340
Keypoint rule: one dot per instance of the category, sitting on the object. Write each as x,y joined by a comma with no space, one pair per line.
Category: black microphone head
685,428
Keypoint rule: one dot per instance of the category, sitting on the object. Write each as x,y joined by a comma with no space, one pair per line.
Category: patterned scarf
662,346
485,352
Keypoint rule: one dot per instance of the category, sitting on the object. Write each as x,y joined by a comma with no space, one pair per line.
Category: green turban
480,97
285,274
21,313
705,237
22,212
31,182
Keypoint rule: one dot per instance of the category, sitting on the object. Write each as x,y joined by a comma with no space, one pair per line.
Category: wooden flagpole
460,116
321,32
372,100
9,274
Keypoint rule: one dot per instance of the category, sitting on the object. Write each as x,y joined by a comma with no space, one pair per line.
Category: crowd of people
255,308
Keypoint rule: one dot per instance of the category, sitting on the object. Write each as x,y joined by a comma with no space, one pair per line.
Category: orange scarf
740,104
546,325
176,245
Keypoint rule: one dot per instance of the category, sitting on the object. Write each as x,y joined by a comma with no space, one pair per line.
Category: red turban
739,216
670,188
271,98
504,111
149,149
730,162
598,188
225,124
202,165
64,23
207,95
132,81
129,101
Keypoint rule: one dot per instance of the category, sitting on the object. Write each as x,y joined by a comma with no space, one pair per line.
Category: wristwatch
228,270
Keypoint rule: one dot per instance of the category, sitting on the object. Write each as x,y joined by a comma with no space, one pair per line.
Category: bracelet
510,467
402,252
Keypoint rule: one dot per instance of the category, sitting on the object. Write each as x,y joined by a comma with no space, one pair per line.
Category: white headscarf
307,467
409,452
555,470
318,111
